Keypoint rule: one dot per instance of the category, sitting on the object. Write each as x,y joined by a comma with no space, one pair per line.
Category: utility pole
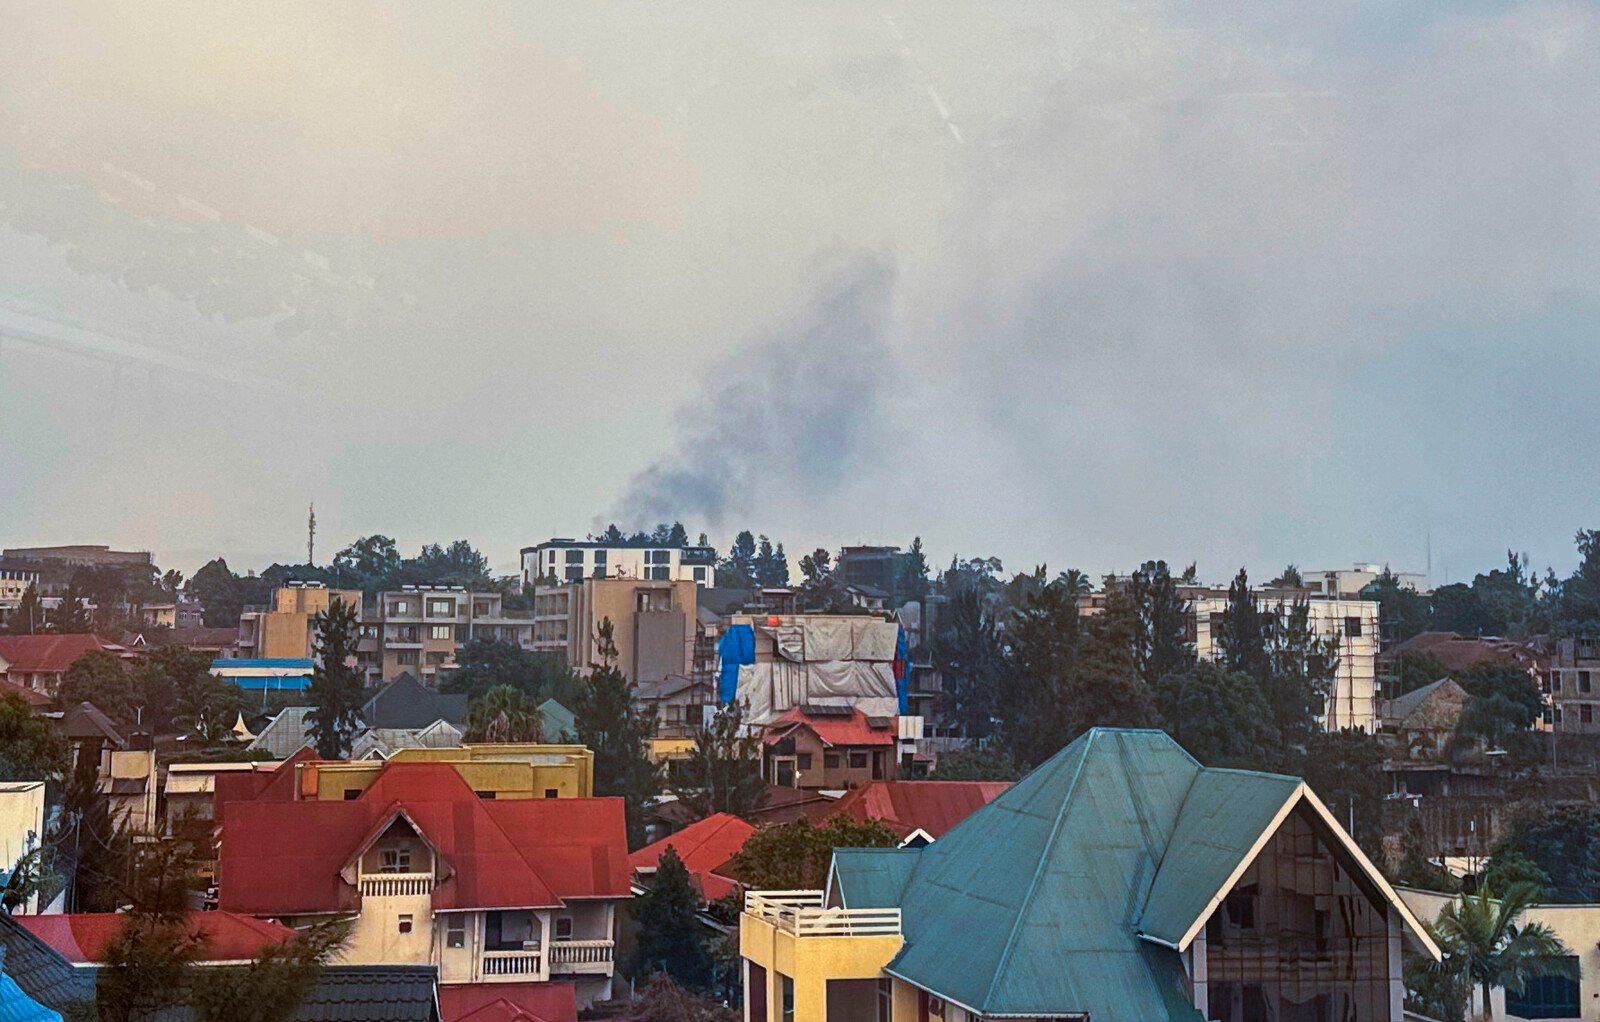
311,535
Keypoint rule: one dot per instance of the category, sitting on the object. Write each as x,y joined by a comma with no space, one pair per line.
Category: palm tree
504,714
1484,943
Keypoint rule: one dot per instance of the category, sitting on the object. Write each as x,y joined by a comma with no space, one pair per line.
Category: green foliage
619,734
979,574
1344,768
93,853
504,714
796,856
73,616
659,999
820,591
98,677
1161,644
1416,867
28,618
977,763
492,663
1300,671
1487,946
737,570
270,988
968,653
1562,840
31,749
335,688
911,573
1512,867
1402,611
670,937
723,775
771,565
1220,716
1415,670
1243,635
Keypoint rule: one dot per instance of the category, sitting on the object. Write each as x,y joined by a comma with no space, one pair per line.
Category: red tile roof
32,696
840,730
508,1002
284,858
257,785
226,937
932,807
1461,652
45,654
703,846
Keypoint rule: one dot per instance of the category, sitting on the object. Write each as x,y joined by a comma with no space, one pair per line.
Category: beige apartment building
285,629
420,628
653,624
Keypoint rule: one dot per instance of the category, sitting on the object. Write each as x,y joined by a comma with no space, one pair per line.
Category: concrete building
15,578
37,662
502,772
829,748
653,624
285,629
1120,882
82,556
512,899
21,827
572,560
1347,583
874,566
419,628
1352,624
1572,683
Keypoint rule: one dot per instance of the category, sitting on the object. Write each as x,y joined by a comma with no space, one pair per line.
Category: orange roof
704,846
32,696
45,654
833,730
508,1002
932,807
84,937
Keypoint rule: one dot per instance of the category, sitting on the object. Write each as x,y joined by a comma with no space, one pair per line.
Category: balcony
582,956
802,914
511,965
395,885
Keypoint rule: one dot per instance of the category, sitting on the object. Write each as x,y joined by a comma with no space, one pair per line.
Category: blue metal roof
278,662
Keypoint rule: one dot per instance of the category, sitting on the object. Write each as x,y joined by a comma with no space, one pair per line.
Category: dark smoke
789,410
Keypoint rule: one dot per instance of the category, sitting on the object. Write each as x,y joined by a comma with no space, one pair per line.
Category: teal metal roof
1225,813
873,877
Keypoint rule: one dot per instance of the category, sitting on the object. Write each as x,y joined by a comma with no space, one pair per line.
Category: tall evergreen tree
723,774
911,573
28,617
618,732
671,938
820,589
335,686
677,536
968,653
1299,675
1035,695
1242,637
1161,638
738,569
73,618
771,566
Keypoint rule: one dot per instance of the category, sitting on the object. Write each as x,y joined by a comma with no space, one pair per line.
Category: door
784,768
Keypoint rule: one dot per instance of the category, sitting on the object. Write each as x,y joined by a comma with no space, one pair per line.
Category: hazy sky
1080,283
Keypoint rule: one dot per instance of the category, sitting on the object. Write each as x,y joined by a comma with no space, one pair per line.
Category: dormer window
397,860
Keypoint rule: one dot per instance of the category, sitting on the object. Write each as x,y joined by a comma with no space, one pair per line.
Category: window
487,796
830,760
563,927
1547,996
397,860
575,573
1352,627
405,923
399,608
351,794
786,996
858,761
552,793
1555,681
441,632
455,932
699,574
885,999
441,608
600,557
804,761
1586,713
1584,682
405,657
1241,909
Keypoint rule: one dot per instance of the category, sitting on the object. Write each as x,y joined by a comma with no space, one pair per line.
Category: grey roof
342,993
649,691
285,734
87,721
558,721
386,741
1403,706
406,703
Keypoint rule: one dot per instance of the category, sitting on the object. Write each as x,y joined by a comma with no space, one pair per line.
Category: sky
1080,284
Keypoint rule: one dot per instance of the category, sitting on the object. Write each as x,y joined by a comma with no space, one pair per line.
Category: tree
270,988
1562,840
98,677
659,999
1041,646
968,653
796,856
222,594
977,763
1485,943
504,714
819,590
1402,611
493,663
723,774
770,567
738,569
28,617
1104,688
978,573
1161,641
93,852
1457,608
1243,636
678,536
1291,578
367,564
1416,867
335,686
179,693
911,573
1300,669
1345,769
459,564
1414,670
73,618
1218,715
671,938
31,749
618,733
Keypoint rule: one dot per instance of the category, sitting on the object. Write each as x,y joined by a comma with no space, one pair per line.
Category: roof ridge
1038,871
1176,817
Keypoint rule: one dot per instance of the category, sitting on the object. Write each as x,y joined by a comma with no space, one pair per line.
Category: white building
21,826
573,560
1353,699
1347,583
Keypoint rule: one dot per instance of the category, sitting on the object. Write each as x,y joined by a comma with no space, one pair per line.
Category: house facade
829,748
521,892
1119,882
573,560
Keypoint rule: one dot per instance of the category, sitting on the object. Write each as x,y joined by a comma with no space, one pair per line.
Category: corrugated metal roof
873,877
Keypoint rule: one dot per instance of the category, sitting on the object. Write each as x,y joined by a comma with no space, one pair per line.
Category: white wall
21,824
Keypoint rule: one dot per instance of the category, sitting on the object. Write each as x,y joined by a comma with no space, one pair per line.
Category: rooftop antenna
311,535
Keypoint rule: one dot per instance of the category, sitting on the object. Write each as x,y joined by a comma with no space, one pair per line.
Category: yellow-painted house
509,771
1121,881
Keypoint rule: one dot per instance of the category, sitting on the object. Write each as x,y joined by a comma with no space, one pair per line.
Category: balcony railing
580,952
802,913
500,964
395,885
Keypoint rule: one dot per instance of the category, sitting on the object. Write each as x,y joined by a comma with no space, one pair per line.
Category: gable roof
45,654
1088,873
853,728
86,721
558,720
932,807
1460,652
704,846
1403,706
84,937
509,1002
285,734
285,857
407,703
32,696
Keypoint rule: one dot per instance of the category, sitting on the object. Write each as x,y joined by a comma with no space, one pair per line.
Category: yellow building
284,630
493,771
652,621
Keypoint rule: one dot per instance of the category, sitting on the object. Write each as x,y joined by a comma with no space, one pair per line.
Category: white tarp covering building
818,660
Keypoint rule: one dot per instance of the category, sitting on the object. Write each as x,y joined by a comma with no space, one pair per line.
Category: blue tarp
16,1006
738,646
902,683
